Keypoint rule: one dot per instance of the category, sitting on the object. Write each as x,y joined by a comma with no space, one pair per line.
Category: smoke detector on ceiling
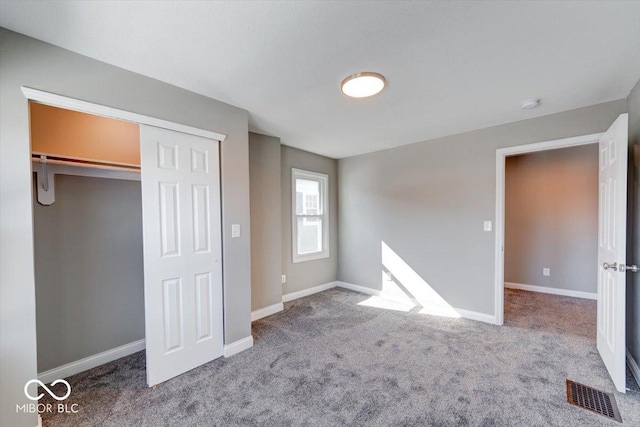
530,103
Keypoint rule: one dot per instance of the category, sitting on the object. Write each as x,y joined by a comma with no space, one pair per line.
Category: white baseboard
467,314
238,346
267,311
633,366
554,291
306,292
87,363
358,288
476,315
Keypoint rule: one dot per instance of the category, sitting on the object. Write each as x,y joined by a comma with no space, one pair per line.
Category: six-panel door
612,221
182,251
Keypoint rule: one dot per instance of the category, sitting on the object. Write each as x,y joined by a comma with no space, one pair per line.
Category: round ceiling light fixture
363,85
530,103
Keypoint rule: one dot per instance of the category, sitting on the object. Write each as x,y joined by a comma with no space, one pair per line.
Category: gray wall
28,62
427,201
551,218
266,221
304,275
633,227
89,271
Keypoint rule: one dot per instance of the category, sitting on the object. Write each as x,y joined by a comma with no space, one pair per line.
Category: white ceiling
450,66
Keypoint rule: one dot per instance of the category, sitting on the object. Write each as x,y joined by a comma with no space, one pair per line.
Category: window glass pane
309,235
307,197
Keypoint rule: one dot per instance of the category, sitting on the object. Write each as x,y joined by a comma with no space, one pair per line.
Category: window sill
310,257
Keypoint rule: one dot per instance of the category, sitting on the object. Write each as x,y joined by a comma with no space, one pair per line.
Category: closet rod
44,160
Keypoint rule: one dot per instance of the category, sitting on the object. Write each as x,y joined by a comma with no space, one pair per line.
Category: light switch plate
487,226
235,230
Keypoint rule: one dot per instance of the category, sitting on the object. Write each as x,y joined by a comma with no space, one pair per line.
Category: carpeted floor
327,361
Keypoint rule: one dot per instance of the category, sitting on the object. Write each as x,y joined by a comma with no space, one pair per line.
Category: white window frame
323,207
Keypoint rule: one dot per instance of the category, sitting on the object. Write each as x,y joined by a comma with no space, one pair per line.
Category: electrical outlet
487,226
284,278
546,272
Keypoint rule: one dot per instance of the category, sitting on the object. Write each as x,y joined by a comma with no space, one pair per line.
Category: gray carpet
327,361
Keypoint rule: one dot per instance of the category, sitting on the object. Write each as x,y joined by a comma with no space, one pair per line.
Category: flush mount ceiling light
362,85
530,103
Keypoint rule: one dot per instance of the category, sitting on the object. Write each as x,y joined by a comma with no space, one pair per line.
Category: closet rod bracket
45,175
46,182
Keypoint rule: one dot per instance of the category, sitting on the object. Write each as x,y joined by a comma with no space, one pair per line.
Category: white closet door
182,251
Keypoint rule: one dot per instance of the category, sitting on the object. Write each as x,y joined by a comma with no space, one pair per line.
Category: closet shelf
49,166
85,163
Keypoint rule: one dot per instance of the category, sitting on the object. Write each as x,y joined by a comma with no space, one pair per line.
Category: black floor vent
593,400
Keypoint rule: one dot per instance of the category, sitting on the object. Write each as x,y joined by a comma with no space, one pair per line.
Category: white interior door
612,224
182,251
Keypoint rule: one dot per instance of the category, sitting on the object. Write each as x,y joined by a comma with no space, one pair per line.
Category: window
310,219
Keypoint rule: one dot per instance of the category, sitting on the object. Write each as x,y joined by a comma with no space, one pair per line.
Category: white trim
323,179
238,346
633,367
574,141
39,421
476,315
553,291
267,311
309,291
501,155
467,314
498,297
90,362
114,113
358,288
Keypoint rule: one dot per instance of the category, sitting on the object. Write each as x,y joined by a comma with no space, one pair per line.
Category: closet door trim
87,107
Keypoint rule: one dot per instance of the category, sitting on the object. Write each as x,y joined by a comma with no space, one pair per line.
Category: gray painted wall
427,201
266,221
89,271
304,275
551,218
28,62
633,227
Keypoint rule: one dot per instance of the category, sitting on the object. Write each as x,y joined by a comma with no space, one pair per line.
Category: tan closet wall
64,133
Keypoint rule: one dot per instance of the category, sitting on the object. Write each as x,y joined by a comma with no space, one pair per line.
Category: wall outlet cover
284,278
546,272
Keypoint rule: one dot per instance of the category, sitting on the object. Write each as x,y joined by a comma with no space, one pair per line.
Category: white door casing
182,251
501,155
612,221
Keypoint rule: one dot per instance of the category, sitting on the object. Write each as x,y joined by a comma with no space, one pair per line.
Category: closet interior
88,236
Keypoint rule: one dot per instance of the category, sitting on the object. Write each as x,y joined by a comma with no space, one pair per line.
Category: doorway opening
611,263
551,240
501,160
